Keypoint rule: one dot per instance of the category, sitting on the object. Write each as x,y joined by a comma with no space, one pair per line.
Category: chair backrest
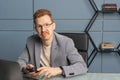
81,43
10,70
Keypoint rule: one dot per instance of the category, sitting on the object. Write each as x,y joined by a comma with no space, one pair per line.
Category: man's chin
45,39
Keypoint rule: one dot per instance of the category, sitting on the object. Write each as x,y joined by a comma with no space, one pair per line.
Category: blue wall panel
110,62
112,25
96,64
70,25
16,9
113,37
66,9
12,44
97,26
16,25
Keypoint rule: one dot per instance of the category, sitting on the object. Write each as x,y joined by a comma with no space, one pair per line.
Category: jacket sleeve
23,58
77,64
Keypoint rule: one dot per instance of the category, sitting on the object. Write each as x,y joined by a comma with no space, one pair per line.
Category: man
51,53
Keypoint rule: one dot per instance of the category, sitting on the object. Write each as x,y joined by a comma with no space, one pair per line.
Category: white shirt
45,55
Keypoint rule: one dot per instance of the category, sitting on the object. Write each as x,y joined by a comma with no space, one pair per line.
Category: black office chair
81,43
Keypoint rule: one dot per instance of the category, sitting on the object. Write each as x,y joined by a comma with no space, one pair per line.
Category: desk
88,76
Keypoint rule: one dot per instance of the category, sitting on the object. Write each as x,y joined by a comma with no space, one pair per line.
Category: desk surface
88,76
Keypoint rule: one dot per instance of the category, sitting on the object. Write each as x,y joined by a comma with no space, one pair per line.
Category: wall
16,25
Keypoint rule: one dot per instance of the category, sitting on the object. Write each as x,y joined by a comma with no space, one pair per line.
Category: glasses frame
47,25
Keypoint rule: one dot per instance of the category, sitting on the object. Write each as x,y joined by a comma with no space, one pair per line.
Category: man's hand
27,68
47,72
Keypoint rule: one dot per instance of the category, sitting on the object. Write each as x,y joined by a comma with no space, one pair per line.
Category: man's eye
46,24
39,26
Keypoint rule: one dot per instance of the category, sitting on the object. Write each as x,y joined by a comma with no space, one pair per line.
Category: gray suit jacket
63,53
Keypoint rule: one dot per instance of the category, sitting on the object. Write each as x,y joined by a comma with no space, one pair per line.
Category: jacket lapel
37,53
54,51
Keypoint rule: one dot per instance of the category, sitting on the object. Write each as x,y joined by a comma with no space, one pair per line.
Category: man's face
45,27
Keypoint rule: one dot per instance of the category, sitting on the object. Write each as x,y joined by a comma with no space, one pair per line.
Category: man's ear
54,25
35,29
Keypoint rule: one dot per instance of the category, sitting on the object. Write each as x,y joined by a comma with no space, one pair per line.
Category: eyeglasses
44,25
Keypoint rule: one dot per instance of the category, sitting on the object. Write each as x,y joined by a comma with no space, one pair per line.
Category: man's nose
43,28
